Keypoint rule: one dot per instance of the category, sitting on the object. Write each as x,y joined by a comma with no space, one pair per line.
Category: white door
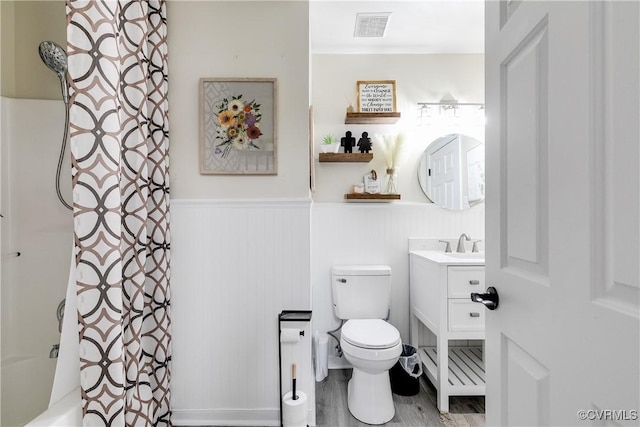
562,212
444,172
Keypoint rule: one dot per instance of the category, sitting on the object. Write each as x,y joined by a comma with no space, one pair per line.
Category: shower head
55,58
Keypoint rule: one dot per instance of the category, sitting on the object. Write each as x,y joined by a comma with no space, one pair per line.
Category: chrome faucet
463,237
447,248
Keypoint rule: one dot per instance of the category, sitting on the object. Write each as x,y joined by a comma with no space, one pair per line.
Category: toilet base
369,397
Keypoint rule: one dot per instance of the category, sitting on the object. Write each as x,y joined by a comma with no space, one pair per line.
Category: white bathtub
26,388
64,402
67,412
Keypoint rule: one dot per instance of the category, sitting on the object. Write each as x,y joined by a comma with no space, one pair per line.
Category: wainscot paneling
377,233
235,266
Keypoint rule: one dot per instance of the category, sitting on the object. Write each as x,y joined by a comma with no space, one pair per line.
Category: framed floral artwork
238,126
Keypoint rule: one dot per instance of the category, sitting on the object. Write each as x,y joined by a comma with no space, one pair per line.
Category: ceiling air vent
371,24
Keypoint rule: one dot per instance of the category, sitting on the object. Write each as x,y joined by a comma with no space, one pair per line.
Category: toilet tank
361,291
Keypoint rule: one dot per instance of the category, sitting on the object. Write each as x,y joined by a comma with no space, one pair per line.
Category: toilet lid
370,333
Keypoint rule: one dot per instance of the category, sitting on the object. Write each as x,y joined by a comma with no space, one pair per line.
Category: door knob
490,299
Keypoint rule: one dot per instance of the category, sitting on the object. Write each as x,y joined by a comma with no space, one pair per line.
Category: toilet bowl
361,297
372,346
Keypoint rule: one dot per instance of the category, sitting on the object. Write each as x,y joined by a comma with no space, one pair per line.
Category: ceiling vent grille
371,24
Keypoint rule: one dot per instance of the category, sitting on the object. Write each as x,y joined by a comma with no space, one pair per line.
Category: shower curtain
119,153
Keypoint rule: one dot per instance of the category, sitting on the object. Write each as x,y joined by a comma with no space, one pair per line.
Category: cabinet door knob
474,282
474,314
341,280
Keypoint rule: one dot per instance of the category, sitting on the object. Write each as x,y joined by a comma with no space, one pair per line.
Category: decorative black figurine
364,143
348,142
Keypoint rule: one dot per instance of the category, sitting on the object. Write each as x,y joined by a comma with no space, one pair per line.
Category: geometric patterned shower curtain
119,140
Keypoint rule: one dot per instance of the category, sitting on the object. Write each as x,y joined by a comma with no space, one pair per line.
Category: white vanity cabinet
440,289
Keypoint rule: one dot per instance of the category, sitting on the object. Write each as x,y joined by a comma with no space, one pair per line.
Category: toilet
361,296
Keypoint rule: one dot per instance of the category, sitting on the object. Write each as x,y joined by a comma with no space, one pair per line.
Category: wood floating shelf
346,157
372,118
371,197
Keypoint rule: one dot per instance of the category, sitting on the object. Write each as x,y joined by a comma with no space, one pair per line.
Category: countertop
451,258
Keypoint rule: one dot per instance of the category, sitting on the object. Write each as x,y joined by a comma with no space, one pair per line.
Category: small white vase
330,148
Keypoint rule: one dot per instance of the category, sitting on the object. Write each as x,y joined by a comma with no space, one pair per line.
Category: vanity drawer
462,280
465,315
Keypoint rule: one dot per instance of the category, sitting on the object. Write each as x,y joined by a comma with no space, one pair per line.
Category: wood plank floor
411,411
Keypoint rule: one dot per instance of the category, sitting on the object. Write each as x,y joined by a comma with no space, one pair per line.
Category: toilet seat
372,334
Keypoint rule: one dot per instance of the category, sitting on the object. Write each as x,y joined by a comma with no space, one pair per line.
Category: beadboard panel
377,233
235,266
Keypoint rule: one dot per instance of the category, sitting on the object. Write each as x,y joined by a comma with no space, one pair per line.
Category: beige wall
199,47
7,49
24,25
419,78
239,39
272,41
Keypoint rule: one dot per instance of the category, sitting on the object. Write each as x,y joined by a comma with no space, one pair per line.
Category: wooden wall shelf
346,157
372,118
371,197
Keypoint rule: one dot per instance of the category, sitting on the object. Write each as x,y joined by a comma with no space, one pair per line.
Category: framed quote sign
376,96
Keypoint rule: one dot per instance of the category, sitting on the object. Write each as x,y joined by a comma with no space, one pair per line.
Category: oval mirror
451,171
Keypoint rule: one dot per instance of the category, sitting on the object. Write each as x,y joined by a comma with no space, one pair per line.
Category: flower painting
237,129
239,125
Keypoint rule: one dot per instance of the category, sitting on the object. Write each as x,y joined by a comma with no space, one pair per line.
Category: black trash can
402,380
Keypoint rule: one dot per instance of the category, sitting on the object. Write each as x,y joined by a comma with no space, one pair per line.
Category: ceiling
415,26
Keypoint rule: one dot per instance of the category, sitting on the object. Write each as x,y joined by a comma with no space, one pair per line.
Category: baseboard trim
229,417
339,363
226,417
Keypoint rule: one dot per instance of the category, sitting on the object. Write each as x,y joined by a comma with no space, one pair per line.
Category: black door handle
490,299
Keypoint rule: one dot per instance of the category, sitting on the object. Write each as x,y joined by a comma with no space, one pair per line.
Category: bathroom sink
452,258
467,255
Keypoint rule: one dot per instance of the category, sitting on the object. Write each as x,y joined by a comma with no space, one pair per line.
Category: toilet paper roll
288,335
294,412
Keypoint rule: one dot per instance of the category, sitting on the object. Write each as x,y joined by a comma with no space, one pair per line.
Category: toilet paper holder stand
288,316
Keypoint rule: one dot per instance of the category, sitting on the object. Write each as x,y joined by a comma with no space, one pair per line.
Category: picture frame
238,118
312,170
376,96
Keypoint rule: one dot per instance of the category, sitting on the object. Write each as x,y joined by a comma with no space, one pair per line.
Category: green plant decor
329,139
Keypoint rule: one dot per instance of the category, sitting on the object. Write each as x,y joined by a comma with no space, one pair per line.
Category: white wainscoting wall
377,233
235,266
237,263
